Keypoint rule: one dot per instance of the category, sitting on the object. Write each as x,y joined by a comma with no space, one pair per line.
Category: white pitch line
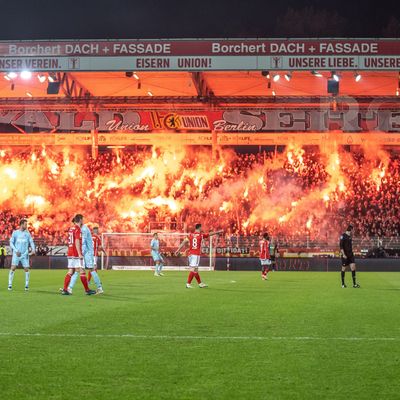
220,338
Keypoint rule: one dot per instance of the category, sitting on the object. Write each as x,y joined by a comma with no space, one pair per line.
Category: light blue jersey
20,242
87,247
87,240
155,250
155,245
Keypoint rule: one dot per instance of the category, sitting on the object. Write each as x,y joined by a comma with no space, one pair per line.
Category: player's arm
12,240
181,245
12,244
78,247
341,245
216,232
31,246
84,238
101,248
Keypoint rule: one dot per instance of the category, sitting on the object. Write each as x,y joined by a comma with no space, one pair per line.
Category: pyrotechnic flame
290,157
160,201
226,206
283,218
377,176
11,173
180,183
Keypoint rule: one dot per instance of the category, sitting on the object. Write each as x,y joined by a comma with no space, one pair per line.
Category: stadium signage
202,139
201,54
226,121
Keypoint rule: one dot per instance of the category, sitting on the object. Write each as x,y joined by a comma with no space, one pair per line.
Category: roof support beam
200,83
71,87
295,102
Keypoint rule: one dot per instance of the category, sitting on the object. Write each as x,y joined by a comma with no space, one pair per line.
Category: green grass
229,359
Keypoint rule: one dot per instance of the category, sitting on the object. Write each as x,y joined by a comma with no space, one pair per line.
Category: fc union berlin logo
172,121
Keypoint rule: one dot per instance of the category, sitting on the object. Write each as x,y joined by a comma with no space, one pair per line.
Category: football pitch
297,336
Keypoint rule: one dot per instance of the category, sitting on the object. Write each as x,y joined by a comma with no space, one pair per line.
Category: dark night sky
39,19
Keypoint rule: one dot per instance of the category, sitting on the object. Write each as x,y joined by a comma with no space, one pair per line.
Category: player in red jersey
265,257
97,248
75,258
194,240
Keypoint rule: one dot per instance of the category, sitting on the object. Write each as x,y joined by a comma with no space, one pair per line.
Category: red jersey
74,233
96,244
195,240
264,250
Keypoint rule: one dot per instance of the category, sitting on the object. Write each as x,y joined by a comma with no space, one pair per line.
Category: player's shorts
23,260
95,261
88,261
265,262
156,256
347,261
74,262
194,260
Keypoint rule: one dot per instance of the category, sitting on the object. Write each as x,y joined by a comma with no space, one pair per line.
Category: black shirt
346,244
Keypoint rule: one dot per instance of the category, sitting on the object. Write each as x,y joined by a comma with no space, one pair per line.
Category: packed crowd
293,193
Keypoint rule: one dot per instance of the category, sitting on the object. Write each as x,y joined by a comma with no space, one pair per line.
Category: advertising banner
223,121
201,55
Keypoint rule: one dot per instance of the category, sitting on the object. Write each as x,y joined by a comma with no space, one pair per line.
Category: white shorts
95,262
194,261
74,262
265,262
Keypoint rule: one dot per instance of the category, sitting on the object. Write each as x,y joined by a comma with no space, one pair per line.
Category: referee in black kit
346,252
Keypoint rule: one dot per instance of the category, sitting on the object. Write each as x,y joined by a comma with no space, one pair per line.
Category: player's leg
157,262
88,261
25,265
97,281
96,277
89,276
191,272
266,269
197,275
157,268
72,283
343,272
14,264
68,277
160,267
263,270
84,281
353,274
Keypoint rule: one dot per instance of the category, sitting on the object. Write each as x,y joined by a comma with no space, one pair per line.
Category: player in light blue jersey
88,260
157,257
22,246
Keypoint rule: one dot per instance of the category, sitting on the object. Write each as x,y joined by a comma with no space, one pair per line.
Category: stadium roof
188,87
